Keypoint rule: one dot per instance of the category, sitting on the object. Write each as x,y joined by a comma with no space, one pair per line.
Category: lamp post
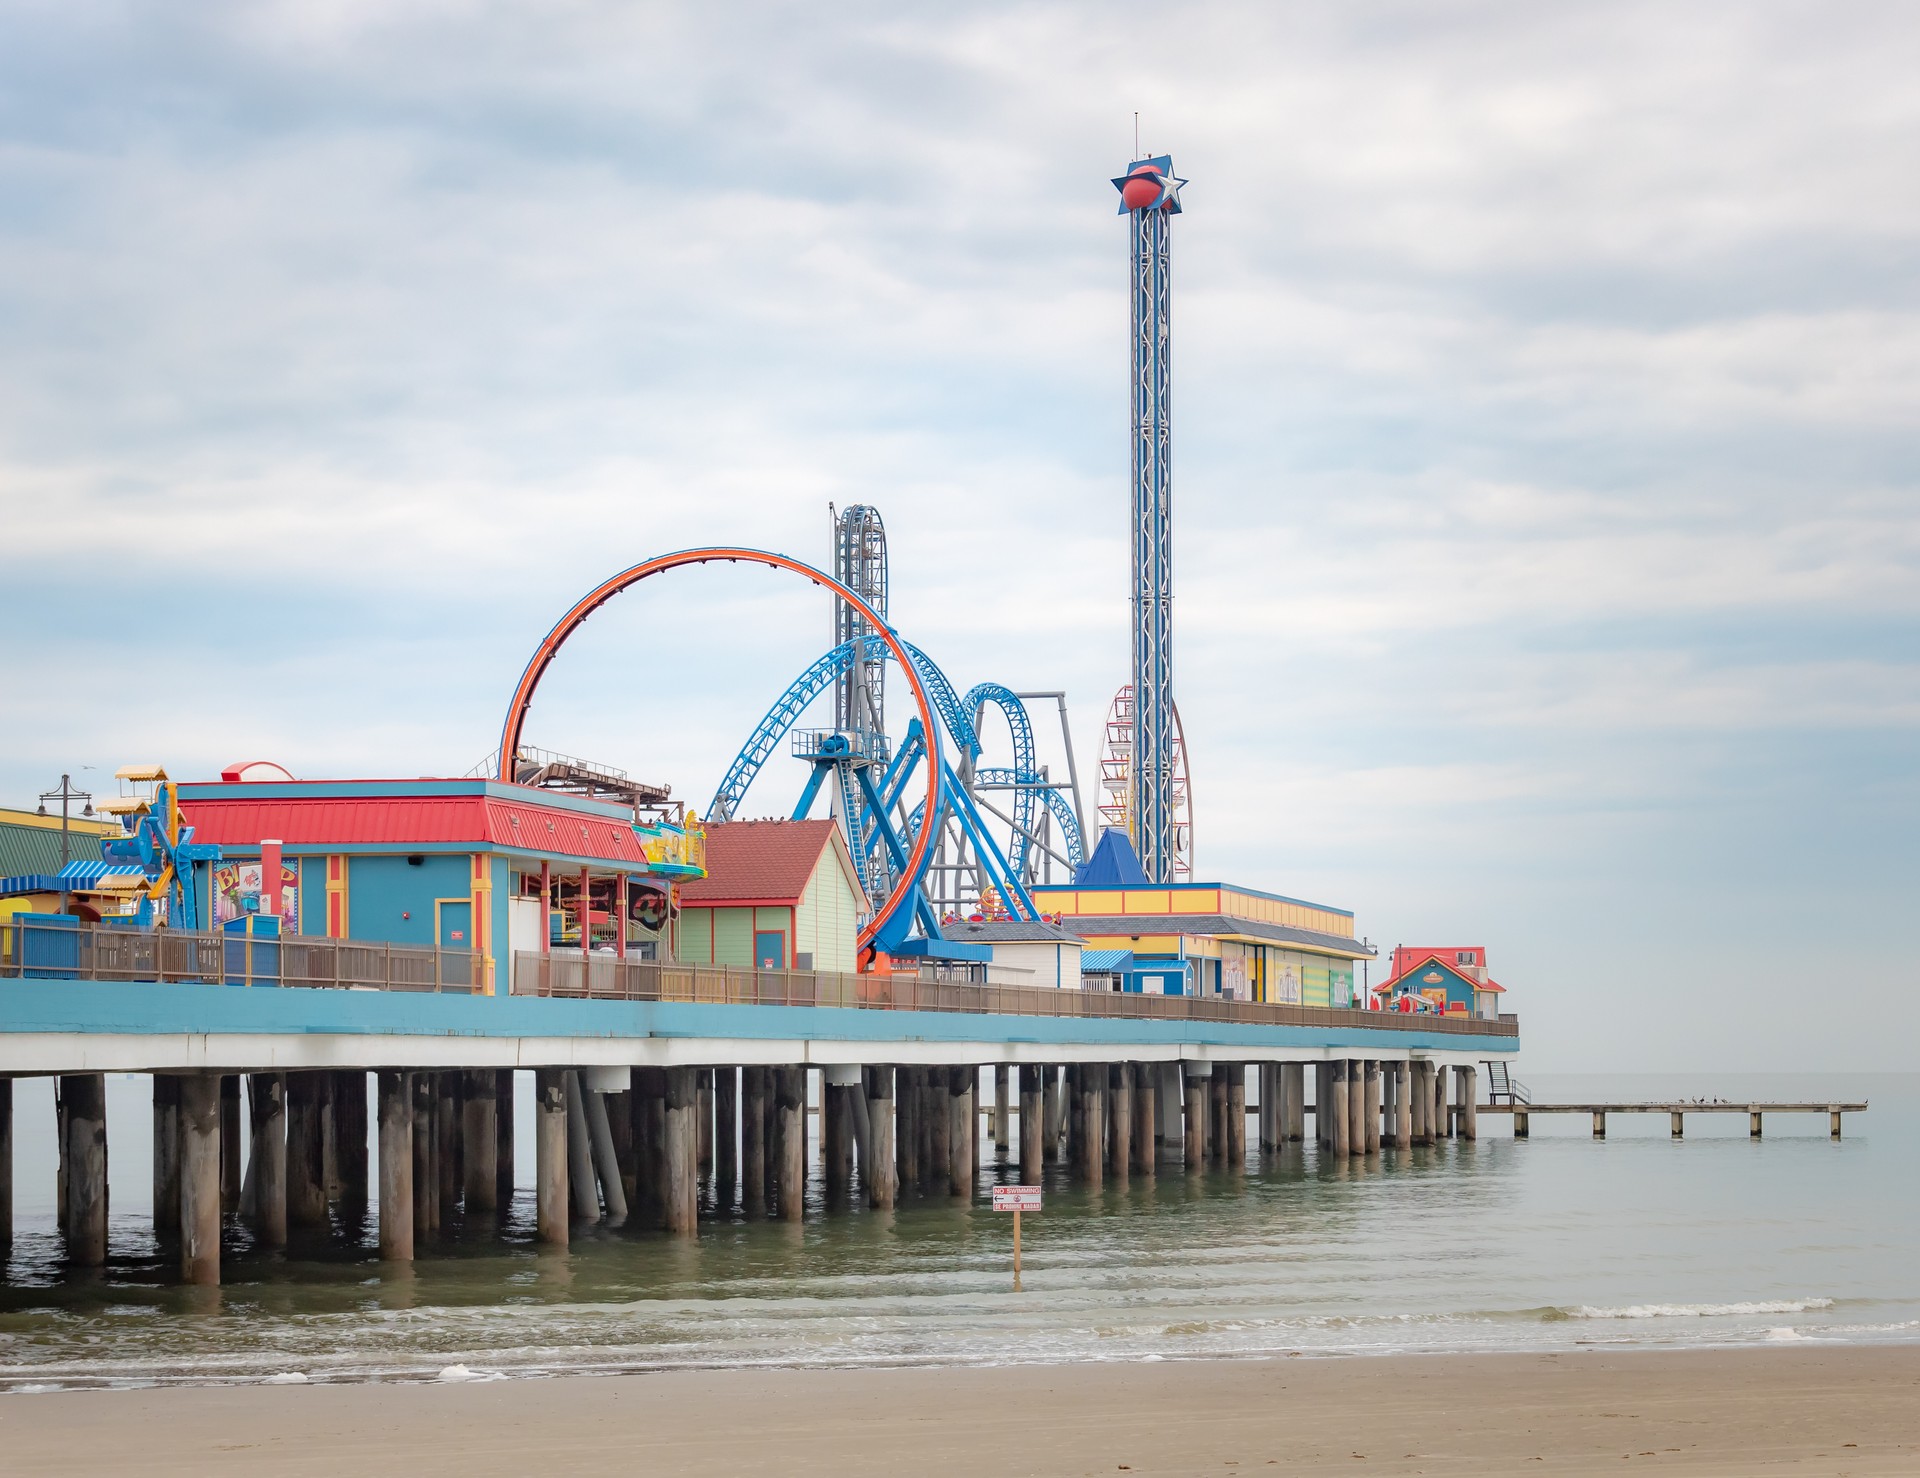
66,795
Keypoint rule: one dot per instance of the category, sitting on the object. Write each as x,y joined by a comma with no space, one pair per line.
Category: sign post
1016,1198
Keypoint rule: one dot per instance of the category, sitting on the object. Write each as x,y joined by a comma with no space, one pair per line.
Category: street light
66,795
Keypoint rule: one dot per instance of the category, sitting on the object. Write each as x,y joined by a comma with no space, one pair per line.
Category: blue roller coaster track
877,844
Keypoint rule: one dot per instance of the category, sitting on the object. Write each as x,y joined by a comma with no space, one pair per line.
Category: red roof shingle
759,862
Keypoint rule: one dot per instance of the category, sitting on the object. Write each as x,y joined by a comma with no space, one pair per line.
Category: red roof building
461,864
778,895
1452,979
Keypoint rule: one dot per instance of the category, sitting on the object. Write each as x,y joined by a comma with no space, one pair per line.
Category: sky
1546,460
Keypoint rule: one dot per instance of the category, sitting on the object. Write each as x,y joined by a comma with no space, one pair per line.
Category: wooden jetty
1676,1111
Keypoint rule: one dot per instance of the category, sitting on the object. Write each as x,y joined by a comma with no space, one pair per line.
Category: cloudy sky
1546,439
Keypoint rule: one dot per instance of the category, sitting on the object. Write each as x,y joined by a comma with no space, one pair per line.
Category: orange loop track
902,895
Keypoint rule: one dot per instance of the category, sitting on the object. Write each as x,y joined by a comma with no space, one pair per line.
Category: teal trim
145,1008
442,849
313,894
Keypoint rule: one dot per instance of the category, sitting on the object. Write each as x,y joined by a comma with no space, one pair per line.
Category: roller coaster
867,777
921,865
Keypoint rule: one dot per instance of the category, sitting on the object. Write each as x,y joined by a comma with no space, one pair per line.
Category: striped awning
79,873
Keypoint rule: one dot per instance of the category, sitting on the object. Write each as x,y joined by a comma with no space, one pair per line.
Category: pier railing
37,951
568,975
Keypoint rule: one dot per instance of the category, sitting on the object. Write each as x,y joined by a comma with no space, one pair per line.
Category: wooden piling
1050,1115
703,1118
1599,1124
726,1136
267,1121
478,1128
1237,1116
6,1163
61,1149
166,1155
606,1157
201,1116
229,1143
1033,1150
962,1124
1356,1106
905,1141
1293,1096
1219,1128
426,1198
1074,1111
1145,1096
621,1125
352,1137
646,1129
1519,1122
790,1089
1092,1079
1677,1125
1442,1114
503,1127
937,1113
1753,1124
753,1141
883,1185
1002,1112
1833,1124
84,1098
395,1147
446,1135
551,1192
682,1150
1469,1079
1120,1121
1371,1068
1339,1108
582,1187
306,1150
1268,1078
836,1134
1194,1141
1390,1104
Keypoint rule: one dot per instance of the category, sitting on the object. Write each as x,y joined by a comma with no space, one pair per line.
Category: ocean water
1556,1242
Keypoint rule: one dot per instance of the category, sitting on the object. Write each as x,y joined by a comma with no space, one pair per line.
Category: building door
453,930
770,949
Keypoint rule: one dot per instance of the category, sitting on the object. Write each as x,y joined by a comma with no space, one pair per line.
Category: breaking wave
1702,1311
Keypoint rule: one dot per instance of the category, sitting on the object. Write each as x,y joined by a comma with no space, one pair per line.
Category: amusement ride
936,836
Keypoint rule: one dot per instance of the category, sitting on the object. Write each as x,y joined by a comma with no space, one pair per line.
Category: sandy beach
1732,1412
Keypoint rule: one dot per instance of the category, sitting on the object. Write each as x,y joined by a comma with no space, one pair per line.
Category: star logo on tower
1150,184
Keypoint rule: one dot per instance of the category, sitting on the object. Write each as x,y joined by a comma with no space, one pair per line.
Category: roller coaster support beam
1019,902
897,852
812,792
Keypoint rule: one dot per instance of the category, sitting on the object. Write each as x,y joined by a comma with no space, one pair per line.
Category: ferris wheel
1116,781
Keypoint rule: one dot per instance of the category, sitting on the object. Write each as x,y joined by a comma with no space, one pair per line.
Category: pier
1676,1111
664,1092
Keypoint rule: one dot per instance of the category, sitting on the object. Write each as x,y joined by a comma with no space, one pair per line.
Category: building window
1465,957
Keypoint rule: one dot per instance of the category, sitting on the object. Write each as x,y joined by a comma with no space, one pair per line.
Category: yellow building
1216,939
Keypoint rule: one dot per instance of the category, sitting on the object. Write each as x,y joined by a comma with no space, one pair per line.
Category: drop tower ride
1150,198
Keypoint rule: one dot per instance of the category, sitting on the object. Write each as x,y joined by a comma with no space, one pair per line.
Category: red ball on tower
1144,187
